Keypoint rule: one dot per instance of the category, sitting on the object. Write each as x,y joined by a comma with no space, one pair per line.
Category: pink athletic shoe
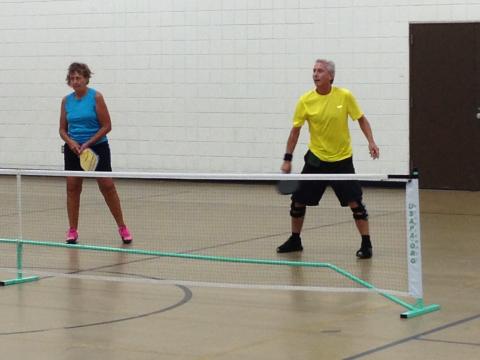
72,236
125,234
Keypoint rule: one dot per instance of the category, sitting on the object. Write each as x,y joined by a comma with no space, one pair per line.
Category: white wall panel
207,85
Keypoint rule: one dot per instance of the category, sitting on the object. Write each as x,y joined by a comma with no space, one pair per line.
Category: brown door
445,105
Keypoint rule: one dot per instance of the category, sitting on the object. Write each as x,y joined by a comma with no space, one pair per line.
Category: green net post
419,309
19,243
20,278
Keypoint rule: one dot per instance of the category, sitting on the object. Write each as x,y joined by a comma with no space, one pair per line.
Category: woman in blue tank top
85,123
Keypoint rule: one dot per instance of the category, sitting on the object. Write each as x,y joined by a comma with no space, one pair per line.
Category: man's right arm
291,143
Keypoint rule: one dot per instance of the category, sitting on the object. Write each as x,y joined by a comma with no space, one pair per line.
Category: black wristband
287,157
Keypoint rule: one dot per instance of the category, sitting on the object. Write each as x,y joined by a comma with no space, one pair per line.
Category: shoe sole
279,251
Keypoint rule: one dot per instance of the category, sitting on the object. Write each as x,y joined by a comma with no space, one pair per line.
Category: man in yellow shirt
326,109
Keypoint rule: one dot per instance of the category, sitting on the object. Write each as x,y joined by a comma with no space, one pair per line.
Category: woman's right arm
63,130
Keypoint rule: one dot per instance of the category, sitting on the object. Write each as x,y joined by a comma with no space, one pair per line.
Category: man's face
321,76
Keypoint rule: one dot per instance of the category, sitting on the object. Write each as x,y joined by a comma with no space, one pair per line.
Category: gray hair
330,66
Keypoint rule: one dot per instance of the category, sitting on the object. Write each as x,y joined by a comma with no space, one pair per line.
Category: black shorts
72,161
311,191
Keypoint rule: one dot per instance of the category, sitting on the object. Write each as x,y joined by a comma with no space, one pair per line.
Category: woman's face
77,81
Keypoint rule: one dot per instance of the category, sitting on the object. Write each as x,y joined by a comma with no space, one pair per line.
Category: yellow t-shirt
327,117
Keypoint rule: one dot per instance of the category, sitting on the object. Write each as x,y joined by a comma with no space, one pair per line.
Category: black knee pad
297,211
360,212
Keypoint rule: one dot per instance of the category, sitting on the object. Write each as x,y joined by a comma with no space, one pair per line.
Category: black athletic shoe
290,245
364,253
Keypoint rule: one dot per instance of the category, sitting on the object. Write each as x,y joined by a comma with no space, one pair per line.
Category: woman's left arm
103,118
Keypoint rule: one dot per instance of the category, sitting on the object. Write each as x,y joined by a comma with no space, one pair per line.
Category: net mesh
244,219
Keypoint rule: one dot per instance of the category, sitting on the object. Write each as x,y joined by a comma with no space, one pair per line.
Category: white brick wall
207,85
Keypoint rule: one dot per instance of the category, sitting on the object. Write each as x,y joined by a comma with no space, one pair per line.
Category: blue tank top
82,117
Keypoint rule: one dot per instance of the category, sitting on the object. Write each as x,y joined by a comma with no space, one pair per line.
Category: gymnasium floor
62,317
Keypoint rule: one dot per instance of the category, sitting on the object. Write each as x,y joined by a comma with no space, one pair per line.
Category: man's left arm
367,131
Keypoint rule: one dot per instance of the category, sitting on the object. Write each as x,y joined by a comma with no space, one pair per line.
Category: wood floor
81,318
